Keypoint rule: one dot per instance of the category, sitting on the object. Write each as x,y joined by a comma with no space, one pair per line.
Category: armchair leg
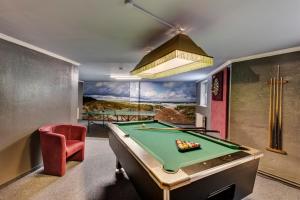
79,156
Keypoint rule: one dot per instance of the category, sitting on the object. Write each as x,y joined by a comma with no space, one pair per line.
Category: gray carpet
92,179
95,179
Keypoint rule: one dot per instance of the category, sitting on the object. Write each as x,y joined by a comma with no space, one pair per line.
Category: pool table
150,158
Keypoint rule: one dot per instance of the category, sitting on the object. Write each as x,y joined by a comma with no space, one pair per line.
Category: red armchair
59,143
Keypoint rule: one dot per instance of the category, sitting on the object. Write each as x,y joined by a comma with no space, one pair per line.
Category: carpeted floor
92,179
95,179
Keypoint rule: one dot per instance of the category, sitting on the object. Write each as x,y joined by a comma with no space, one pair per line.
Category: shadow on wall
20,156
35,148
31,154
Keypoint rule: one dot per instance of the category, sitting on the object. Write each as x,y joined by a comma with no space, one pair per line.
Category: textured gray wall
35,89
206,111
249,111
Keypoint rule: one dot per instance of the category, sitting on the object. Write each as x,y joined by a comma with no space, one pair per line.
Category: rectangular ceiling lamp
178,55
124,77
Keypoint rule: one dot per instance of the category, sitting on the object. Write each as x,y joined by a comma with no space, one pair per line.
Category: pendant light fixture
178,55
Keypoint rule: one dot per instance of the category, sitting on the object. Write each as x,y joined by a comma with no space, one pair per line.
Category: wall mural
170,101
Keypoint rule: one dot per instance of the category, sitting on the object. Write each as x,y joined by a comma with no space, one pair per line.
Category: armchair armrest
54,153
78,132
53,143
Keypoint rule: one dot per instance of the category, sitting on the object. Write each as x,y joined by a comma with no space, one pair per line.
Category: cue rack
275,113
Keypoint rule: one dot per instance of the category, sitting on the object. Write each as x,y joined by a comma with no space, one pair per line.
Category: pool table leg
166,194
118,167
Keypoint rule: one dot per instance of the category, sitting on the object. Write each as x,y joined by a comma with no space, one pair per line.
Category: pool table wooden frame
198,181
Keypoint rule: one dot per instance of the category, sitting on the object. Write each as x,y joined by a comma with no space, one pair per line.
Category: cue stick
178,129
218,140
277,109
280,115
271,114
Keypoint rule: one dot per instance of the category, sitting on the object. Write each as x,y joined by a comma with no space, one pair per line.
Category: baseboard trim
279,179
20,176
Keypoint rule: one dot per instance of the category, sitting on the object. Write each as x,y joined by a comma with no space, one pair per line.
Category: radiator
200,120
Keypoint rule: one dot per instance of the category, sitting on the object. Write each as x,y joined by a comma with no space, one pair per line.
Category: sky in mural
168,91
107,90
149,91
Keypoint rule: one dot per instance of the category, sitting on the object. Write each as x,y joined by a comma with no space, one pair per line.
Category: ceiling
108,37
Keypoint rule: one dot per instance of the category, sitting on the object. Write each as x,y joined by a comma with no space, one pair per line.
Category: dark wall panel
249,111
80,99
35,89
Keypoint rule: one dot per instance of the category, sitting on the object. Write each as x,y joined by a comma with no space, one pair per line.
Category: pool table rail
183,176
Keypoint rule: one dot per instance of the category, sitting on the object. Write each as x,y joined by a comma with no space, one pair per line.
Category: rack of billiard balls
184,146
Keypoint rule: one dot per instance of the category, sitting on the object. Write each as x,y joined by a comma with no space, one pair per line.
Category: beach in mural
171,101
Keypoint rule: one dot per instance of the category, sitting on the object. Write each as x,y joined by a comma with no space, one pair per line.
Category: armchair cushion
73,146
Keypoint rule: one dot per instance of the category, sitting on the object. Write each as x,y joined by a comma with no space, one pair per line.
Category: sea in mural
170,101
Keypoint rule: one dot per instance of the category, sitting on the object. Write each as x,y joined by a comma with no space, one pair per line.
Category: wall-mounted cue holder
275,113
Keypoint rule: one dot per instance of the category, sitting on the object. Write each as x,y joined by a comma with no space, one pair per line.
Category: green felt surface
161,144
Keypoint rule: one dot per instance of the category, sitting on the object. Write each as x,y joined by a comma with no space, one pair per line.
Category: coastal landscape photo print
170,101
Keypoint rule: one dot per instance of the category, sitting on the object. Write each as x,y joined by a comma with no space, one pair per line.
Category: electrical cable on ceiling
178,28
178,55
